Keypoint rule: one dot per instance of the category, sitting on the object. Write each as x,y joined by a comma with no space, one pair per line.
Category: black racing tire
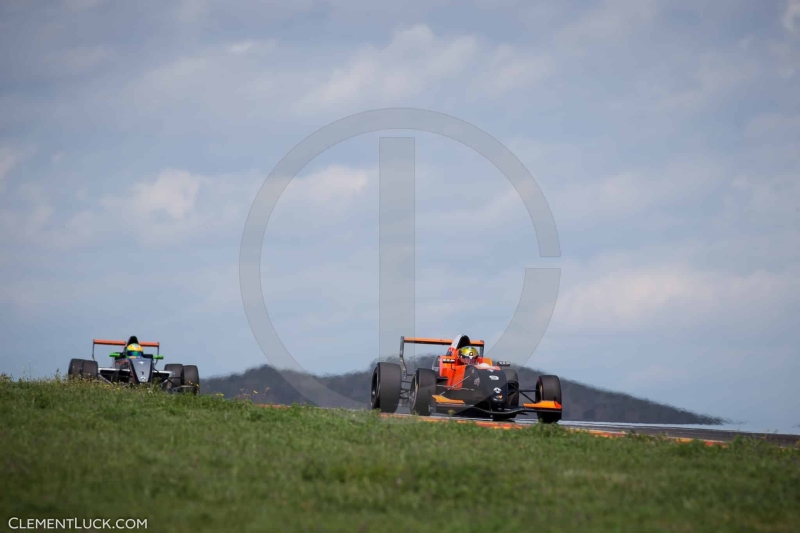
512,378
387,379
89,369
548,418
176,376
74,369
548,389
191,378
423,387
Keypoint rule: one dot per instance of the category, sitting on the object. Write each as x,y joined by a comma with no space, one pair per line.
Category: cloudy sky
664,135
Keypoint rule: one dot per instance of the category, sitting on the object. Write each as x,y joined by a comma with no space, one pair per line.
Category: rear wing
457,343
443,342
104,342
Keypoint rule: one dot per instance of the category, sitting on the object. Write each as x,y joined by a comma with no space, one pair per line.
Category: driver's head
133,350
468,354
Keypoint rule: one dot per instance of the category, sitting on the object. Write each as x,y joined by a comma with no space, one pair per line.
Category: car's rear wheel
175,378
89,369
548,389
191,378
74,370
423,386
387,379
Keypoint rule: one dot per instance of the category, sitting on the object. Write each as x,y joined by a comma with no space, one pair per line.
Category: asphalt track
711,437
708,436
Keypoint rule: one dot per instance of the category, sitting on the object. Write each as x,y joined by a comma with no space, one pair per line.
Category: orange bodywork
441,342
555,406
446,401
123,343
454,371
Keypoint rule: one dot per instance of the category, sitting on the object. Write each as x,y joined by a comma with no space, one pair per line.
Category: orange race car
462,381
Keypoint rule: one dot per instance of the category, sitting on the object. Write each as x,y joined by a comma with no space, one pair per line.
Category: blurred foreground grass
202,463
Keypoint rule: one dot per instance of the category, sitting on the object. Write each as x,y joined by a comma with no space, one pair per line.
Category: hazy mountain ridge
581,402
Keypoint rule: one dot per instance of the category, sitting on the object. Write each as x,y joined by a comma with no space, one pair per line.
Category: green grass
207,464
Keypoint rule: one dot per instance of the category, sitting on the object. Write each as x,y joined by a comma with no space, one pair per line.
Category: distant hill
581,402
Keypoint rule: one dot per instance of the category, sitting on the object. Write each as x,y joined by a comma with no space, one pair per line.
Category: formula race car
462,382
135,367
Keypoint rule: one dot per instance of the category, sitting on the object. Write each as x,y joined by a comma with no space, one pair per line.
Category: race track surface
679,433
684,433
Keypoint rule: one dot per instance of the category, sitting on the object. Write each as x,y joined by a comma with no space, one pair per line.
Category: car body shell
479,387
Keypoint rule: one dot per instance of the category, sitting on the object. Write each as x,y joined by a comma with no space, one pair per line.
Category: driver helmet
468,354
133,350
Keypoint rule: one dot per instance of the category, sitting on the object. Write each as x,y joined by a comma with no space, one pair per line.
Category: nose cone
491,385
142,368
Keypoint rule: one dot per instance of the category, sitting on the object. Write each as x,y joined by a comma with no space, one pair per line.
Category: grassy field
207,464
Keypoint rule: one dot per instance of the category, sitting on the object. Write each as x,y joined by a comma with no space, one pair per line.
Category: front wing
160,377
111,374
442,403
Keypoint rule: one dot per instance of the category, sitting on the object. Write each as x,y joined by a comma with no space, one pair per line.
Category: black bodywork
483,391
137,370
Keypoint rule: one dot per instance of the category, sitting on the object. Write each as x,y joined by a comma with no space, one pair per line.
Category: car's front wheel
548,389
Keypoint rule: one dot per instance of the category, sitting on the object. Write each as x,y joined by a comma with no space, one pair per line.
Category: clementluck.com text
76,523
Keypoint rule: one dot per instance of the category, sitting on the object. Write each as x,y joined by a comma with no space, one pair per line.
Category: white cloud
193,12
496,211
174,192
325,194
198,14
8,160
155,212
509,69
414,60
11,157
80,5
759,202
234,83
579,194
336,184
791,13
179,206
767,124
784,58
175,206
612,21
241,47
39,296
623,294
76,61
25,226
417,61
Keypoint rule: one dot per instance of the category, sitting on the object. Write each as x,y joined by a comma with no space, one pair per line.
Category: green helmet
133,350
